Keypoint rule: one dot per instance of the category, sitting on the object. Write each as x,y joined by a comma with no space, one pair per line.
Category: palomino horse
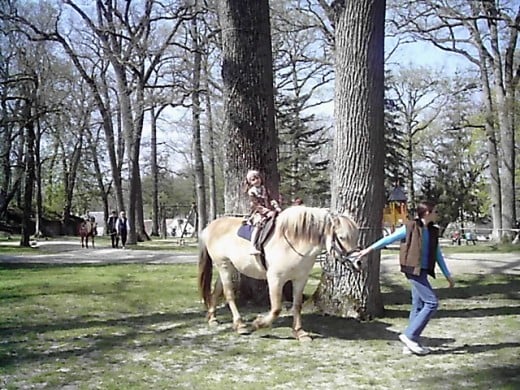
300,235
88,228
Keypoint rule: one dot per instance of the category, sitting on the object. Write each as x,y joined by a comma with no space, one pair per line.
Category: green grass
482,247
11,245
15,249
142,326
169,244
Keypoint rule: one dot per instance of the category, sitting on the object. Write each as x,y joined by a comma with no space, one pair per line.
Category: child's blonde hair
252,173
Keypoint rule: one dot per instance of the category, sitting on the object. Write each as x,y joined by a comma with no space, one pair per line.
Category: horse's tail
205,272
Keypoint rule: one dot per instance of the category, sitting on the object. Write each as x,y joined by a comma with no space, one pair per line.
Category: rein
292,246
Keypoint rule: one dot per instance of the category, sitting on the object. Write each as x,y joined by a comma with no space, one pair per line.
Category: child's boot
254,250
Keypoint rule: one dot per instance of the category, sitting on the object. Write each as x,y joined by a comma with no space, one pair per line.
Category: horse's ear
329,244
329,239
335,221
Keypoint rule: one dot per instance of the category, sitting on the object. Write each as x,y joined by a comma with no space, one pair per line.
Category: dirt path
469,263
69,252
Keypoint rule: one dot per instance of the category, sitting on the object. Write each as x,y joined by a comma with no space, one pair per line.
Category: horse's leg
226,277
215,295
297,330
275,297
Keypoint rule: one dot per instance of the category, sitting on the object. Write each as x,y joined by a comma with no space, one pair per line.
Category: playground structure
174,225
396,209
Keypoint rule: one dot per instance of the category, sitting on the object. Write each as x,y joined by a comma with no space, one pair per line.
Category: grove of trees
147,105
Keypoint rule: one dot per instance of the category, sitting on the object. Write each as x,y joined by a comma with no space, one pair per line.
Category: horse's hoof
213,322
243,330
257,324
260,323
302,336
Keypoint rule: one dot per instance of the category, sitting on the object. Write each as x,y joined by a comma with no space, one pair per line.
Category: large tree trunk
70,171
200,187
28,186
141,233
115,155
504,80
248,106
212,187
38,182
5,150
155,174
358,172
248,98
492,148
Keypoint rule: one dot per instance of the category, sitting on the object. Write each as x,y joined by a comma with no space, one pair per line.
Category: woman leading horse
300,235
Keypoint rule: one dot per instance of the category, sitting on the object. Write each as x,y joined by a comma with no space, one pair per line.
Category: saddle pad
245,231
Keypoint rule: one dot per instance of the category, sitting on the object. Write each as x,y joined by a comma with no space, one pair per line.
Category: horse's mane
304,223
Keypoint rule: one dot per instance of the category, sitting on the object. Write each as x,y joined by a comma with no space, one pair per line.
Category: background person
122,228
297,201
516,232
112,229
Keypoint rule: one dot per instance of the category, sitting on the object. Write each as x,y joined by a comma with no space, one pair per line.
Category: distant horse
300,234
88,228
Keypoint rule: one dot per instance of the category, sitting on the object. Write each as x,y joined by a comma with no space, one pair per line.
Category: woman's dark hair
423,207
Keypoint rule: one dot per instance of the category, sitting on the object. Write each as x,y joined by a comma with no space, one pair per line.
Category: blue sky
427,55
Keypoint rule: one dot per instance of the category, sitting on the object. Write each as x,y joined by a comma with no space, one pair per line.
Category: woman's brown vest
410,250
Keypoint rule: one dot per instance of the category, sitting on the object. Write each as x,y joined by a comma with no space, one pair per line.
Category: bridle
341,255
338,247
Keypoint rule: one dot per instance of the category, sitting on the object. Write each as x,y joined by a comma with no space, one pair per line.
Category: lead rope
292,246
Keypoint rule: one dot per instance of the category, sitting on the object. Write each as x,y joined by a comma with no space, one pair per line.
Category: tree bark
358,155
200,187
29,174
248,98
155,174
212,187
504,76
492,148
248,108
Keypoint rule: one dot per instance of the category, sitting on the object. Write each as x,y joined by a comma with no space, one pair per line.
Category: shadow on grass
462,313
322,326
469,289
471,349
84,323
126,333
506,377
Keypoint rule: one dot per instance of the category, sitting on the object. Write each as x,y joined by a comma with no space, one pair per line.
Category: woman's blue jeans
424,305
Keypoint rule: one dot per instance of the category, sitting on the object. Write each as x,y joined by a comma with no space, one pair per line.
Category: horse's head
341,242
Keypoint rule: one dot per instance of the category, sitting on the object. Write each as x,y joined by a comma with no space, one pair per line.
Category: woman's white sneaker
413,346
407,351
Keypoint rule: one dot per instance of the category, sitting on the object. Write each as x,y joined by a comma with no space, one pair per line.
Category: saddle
265,229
